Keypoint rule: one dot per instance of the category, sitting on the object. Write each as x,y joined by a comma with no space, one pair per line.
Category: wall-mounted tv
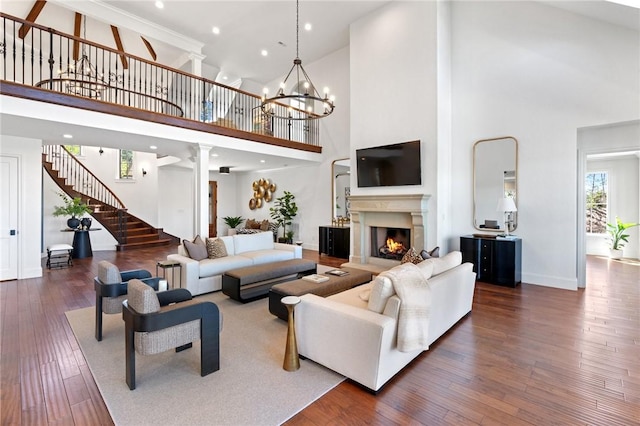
389,165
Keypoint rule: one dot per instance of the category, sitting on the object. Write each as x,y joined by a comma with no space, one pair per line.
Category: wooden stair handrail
119,205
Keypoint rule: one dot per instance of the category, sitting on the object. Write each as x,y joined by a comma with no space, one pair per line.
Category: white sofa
205,276
342,333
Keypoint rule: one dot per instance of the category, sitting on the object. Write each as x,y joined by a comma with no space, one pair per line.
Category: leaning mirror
340,188
495,178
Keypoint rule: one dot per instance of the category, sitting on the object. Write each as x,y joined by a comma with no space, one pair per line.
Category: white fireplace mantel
393,211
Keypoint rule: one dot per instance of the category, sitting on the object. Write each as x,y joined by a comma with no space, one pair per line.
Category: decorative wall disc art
263,191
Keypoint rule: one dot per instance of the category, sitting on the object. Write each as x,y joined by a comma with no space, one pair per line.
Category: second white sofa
355,332
205,276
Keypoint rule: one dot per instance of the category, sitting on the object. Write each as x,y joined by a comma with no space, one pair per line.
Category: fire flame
393,246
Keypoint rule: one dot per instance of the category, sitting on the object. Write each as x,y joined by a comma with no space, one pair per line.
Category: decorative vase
615,254
73,223
86,222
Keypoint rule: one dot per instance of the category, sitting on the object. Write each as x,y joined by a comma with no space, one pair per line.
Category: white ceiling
246,27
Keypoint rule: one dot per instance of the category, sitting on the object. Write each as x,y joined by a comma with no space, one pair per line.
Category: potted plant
232,222
284,210
617,237
73,207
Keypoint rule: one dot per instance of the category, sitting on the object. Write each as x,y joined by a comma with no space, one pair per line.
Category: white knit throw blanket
415,296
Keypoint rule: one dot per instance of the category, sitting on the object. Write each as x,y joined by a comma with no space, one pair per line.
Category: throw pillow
264,225
216,248
444,263
411,256
426,268
429,254
196,249
381,291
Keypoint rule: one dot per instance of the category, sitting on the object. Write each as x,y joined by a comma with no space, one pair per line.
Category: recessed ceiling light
264,52
153,147
159,4
214,154
307,26
215,30
224,77
67,136
262,161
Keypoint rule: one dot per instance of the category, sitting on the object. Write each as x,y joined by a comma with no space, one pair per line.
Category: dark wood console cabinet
495,260
334,241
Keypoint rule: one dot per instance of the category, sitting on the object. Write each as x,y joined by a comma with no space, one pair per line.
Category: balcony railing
50,60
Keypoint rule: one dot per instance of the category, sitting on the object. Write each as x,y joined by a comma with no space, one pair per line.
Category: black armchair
157,322
111,289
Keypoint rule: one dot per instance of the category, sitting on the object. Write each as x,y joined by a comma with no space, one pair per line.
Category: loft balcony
42,64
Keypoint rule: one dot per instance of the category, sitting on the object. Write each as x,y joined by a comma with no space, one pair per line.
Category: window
74,149
125,164
596,188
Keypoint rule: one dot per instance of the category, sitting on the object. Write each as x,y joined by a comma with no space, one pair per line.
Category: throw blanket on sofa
415,296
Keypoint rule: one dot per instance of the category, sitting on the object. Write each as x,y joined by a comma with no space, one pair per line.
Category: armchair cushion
142,298
108,273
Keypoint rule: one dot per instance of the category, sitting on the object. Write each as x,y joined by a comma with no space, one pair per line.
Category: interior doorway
213,208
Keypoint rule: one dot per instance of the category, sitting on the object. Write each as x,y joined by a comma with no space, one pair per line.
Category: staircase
77,181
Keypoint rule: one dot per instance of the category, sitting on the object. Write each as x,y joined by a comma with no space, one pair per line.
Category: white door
8,218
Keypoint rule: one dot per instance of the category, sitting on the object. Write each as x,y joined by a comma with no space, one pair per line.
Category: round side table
291,359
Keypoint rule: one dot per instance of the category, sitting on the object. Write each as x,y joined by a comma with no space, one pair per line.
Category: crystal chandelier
83,78
303,95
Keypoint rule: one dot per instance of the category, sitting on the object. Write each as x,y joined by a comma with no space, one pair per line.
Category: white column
197,95
201,210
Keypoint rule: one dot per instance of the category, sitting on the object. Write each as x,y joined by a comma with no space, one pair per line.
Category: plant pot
85,222
73,223
615,254
232,231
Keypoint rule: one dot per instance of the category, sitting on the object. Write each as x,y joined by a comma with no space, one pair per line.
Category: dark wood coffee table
335,284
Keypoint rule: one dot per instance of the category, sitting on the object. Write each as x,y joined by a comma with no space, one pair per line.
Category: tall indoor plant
618,237
284,210
73,207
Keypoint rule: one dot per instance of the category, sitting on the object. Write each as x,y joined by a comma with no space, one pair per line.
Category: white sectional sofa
355,332
205,276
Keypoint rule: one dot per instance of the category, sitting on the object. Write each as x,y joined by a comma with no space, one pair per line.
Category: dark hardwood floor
529,355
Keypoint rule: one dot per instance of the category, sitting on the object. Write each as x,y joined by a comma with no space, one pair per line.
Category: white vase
232,231
615,254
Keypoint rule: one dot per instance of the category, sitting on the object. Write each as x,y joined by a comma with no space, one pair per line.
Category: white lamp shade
506,205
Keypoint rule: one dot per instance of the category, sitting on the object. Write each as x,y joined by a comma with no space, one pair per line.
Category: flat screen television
389,165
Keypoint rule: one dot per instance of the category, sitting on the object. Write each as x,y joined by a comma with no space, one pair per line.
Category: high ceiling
245,29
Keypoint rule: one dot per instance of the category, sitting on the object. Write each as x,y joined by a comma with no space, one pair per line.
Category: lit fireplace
389,243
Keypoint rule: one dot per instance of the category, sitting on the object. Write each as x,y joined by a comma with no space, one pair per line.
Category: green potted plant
73,207
284,210
618,237
232,222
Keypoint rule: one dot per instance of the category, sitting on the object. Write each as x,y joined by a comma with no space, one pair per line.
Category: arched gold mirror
495,178
340,188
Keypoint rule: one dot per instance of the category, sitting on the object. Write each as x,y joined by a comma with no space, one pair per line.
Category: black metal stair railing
59,62
78,181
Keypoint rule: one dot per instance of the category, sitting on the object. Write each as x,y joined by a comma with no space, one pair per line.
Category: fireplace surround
391,211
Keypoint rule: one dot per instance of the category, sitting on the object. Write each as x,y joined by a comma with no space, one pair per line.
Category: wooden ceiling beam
119,46
149,48
31,17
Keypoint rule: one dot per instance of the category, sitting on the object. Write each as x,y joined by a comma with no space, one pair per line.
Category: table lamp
506,205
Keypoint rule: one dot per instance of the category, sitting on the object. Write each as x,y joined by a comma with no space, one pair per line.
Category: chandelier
303,95
83,78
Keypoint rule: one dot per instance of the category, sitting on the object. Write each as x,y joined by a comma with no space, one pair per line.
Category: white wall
28,152
394,91
311,185
623,202
537,73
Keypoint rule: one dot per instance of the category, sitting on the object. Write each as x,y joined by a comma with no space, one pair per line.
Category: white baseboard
549,281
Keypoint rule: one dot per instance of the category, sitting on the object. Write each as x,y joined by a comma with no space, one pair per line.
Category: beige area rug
251,388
